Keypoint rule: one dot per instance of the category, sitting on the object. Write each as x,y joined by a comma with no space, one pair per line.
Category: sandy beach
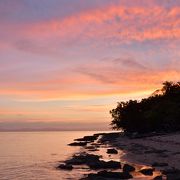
149,150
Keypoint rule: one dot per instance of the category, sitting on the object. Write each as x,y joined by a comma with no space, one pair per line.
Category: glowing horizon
70,62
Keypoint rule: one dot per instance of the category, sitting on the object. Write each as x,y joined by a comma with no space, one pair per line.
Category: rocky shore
108,156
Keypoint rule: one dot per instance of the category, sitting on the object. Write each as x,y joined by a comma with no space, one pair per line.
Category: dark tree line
159,112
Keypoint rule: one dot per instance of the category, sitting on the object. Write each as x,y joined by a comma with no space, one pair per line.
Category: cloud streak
100,78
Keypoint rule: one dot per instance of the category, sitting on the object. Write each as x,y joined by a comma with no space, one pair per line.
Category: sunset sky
65,63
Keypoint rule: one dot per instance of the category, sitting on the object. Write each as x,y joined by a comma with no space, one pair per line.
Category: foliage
159,112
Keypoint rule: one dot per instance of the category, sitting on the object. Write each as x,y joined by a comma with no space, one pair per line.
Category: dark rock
87,138
156,164
100,164
108,174
112,151
147,171
93,161
109,136
65,166
158,178
83,158
78,144
128,168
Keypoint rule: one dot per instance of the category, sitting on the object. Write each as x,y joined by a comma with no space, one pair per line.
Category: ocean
35,155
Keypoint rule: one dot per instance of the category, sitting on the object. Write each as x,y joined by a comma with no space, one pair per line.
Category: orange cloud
93,81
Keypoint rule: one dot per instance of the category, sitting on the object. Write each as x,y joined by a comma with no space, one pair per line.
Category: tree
159,112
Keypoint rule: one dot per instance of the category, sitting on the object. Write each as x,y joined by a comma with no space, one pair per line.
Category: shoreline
153,156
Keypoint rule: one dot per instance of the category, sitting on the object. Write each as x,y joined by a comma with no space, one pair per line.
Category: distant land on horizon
56,126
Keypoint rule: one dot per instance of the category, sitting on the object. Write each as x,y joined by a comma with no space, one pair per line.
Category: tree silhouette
159,112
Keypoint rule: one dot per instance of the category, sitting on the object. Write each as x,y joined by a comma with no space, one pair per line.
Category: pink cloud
120,24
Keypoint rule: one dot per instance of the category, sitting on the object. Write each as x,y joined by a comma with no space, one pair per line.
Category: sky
65,63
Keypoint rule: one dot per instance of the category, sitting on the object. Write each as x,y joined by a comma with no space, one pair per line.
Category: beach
148,150
153,156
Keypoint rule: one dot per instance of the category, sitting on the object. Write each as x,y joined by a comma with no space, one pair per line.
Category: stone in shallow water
78,144
147,171
65,166
93,161
100,164
87,138
109,175
112,151
128,168
83,158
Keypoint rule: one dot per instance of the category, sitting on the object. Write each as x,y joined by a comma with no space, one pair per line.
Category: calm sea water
35,155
